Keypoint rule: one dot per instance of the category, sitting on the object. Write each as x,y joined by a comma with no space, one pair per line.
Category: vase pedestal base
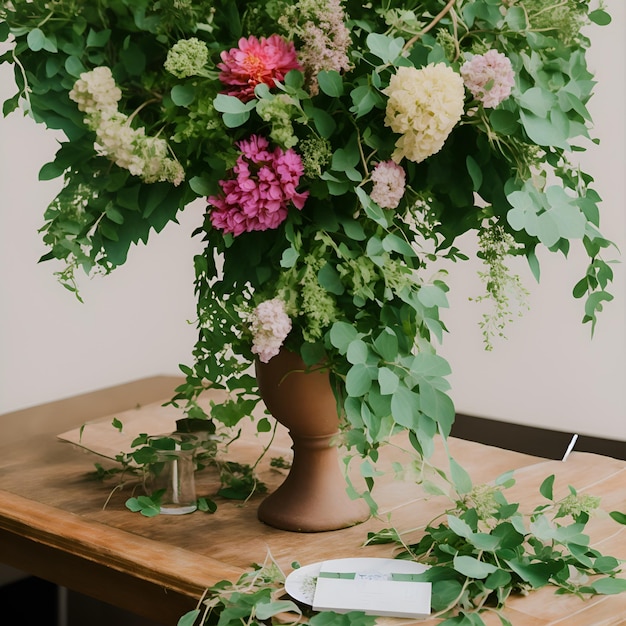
313,497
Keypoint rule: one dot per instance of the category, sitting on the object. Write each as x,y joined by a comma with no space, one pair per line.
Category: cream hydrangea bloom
97,95
424,106
96,91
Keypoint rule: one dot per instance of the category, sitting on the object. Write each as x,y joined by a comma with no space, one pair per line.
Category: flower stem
409,44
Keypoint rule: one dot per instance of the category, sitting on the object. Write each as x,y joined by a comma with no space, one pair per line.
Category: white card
373,592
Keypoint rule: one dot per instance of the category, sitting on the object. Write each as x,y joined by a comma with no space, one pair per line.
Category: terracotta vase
313,497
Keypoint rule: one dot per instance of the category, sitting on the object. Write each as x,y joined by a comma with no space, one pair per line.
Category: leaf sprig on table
484,549
257,599
237,481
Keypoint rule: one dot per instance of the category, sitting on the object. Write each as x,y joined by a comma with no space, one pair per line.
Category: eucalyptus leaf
393,243
387,380
358,380
546,488
323,121
183,95
473,169
358,352
609,586
600,17
499,578
460,527
74,66
386,344
472,567
426,364
544,132
330,279
437,405
341,335
405,407
98,39
330,83
538,101
432,296
189,618
201,186
385,48
536,574
460,478
265,610
516,18
619,517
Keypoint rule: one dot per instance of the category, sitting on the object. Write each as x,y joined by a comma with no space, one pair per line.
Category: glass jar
173,477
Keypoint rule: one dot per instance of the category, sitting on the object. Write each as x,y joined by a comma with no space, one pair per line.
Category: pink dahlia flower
489,77
256,61
264,184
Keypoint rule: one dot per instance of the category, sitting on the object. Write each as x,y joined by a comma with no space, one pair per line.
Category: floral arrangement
341,148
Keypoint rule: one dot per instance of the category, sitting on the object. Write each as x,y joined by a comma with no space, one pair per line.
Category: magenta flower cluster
263,186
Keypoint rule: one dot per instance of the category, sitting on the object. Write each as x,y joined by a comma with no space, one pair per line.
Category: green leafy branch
487,549
238,481
257,599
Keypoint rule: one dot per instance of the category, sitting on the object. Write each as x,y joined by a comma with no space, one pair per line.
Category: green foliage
503,290
480,552
254,599
485,550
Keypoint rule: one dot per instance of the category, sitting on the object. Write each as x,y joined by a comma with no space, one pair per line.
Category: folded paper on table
104,439
393,594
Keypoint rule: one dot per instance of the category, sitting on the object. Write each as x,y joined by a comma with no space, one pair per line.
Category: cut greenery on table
480,551
237,481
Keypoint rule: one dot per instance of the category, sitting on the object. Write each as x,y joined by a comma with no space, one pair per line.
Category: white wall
133,323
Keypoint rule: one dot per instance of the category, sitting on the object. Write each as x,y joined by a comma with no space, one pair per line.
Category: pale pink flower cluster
96,94
256,61
489,77
424,106
263,187
270,325
389,181
326,40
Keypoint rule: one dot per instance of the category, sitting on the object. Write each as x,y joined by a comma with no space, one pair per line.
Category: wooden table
53,524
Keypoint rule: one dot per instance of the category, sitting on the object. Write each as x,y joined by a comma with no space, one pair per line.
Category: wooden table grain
53,522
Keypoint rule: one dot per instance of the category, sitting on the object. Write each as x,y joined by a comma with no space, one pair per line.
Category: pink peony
259,194
256,61
389,181
489,77
270,325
